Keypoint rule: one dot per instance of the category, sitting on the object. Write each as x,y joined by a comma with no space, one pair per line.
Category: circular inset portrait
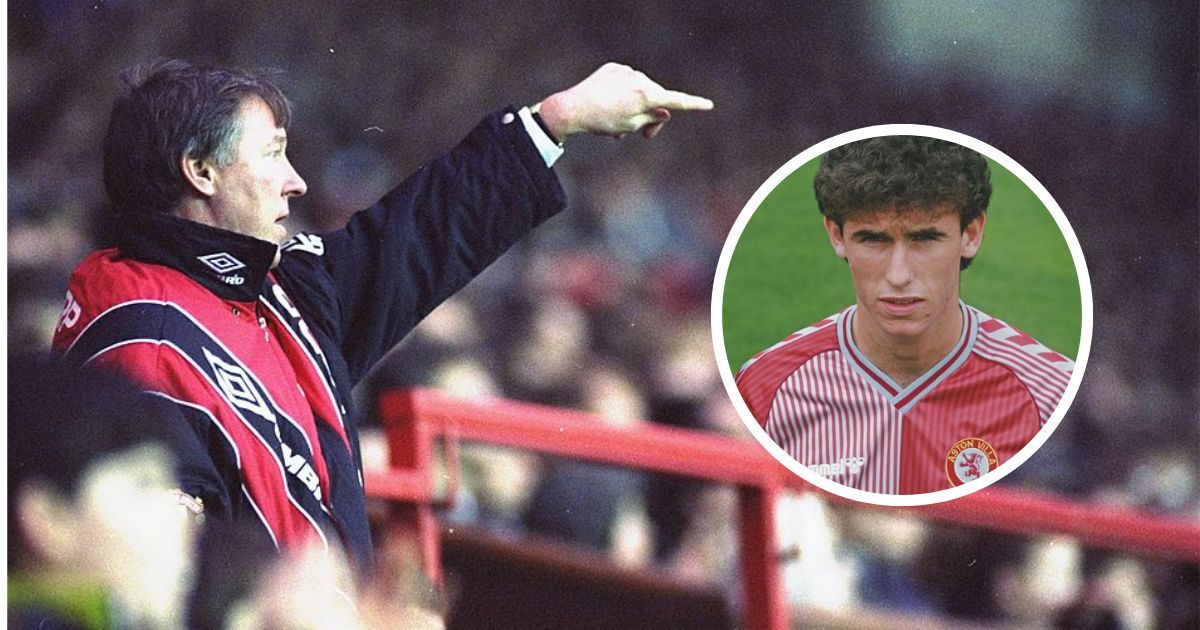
905,314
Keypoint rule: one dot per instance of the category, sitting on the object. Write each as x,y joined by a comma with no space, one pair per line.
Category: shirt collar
905,398
233,266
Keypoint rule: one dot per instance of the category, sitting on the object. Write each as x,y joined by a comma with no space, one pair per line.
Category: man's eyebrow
865,233
930,232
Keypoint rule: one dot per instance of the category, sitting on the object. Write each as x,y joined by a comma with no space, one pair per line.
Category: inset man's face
905,267
251,194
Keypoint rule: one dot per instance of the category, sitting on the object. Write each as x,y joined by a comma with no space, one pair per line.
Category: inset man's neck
905,359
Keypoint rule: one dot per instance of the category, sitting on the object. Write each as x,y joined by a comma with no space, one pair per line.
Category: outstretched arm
367,285
613,101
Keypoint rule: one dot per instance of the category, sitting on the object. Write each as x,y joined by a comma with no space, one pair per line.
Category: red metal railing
415,419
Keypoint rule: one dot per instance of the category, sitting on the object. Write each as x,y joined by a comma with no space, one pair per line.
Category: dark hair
902,172
62,421
172,109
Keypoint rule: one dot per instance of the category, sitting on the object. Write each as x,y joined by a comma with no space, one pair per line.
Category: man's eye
872,238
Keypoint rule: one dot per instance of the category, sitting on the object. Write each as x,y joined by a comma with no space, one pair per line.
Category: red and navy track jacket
257,364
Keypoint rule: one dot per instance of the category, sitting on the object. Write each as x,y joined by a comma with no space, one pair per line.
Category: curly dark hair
170,110
902,172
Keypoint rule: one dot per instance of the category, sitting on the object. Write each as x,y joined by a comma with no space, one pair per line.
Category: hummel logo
221,262
846,466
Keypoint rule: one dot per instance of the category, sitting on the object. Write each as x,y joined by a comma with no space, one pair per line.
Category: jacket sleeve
195,446
206,466
371,282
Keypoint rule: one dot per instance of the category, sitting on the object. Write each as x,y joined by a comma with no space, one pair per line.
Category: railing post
410,449
764,606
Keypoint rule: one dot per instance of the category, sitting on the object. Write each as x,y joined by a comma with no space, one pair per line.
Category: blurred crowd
606,307
99,536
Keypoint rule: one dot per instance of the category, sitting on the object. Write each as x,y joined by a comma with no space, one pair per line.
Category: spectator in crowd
598,507
99,534
243,584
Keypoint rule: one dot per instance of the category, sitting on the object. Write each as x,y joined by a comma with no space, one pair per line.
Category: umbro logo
221,262
299,466
237,387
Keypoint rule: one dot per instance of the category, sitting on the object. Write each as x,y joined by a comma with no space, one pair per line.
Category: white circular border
1085,336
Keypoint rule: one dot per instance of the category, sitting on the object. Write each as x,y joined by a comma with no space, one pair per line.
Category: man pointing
258,342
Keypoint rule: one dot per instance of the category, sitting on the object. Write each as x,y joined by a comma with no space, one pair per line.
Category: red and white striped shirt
824,403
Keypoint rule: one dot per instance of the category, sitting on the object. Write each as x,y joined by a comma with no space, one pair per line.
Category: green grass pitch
784,275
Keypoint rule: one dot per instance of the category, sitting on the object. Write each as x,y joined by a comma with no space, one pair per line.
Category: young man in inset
909,390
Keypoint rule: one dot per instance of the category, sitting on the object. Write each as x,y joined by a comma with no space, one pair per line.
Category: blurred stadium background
605,308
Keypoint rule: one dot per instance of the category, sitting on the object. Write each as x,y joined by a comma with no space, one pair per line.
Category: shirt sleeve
371,282
546,146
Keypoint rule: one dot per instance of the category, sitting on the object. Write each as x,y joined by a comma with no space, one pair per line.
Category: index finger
683,101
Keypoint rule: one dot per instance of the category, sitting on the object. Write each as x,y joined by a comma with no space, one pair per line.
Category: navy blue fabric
396,261
361,289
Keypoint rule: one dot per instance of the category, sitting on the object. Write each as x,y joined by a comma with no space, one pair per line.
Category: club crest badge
970,459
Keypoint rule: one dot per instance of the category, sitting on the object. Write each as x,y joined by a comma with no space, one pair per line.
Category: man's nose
294,186
899,269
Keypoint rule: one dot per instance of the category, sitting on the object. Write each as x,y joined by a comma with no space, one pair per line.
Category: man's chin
906,328
903,329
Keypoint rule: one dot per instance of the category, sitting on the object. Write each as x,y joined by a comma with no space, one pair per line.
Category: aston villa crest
969,460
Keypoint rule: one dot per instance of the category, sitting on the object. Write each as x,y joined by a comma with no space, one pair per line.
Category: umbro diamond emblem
221,262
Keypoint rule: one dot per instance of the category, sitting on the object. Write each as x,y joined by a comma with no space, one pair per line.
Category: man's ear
972,236
46,522
835,237
200,174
